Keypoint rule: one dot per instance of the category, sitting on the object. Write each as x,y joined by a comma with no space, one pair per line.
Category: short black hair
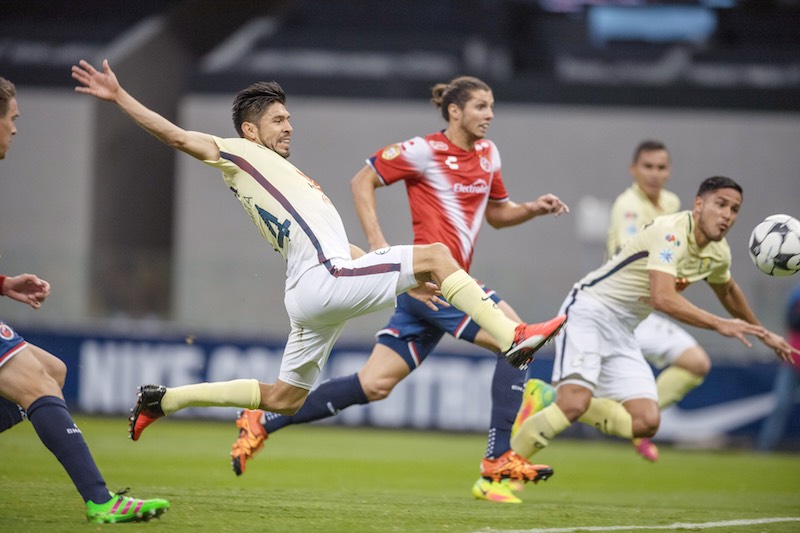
649,145
718,182
252,102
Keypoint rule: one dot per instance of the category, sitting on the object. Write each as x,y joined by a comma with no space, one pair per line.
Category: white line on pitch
677,525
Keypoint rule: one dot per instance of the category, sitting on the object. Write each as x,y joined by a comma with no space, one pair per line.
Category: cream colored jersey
290,210
666,245
632,210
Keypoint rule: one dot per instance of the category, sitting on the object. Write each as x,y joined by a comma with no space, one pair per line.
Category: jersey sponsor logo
486,165
673,240
666,256
478,187
438,145
630,215
391,152
6,333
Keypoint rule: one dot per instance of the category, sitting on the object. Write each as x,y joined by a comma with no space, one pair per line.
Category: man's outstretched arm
105,86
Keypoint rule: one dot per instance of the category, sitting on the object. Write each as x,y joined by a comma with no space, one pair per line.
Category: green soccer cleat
124,509
494,491
536,396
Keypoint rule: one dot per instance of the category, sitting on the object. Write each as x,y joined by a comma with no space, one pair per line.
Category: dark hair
648,145
458,92
7,92
251,103
718,182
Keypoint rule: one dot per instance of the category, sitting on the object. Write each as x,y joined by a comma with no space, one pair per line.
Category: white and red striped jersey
448,188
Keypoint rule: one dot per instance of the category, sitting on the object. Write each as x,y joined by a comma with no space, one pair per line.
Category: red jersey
448,188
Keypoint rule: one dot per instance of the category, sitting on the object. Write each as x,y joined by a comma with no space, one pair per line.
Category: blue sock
57,431
507,385
11,414
326,400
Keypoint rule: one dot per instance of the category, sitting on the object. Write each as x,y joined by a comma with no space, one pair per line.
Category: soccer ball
775,245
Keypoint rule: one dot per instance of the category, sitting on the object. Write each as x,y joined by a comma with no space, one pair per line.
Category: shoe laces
123,492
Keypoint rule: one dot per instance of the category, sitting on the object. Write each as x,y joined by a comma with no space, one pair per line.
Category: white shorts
324,299
597,350
662,340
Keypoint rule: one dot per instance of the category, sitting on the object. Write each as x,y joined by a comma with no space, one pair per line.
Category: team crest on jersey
666,256
438,145
673,240
630,215
391,152
486,165
6,333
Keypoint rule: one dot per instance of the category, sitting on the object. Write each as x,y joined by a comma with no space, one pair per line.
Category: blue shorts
414,330
10,343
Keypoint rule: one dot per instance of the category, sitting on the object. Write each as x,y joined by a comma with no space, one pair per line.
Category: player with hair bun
328,280
454,181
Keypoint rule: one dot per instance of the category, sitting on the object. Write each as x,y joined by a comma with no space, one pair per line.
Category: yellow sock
537,431
466,295
674,383
236,393
610,417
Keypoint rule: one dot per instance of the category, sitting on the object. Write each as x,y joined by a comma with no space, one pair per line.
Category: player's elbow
661,302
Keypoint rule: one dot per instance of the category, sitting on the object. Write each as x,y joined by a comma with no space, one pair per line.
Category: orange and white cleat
252,435
515,467
528,338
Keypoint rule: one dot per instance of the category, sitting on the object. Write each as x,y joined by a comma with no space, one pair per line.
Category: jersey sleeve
400,161
224,165
666,246
498,192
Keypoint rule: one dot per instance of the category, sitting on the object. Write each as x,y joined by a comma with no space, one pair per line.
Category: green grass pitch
322,478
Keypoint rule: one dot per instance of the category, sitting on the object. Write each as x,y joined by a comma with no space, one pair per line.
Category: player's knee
378,389
695,360
646,424
58,371
573,406
439,255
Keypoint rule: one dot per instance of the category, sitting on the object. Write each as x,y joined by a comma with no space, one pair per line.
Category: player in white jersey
328,280
599,371
453,179
667,346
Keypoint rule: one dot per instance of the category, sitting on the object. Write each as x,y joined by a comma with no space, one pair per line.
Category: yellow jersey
632,210
667,245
